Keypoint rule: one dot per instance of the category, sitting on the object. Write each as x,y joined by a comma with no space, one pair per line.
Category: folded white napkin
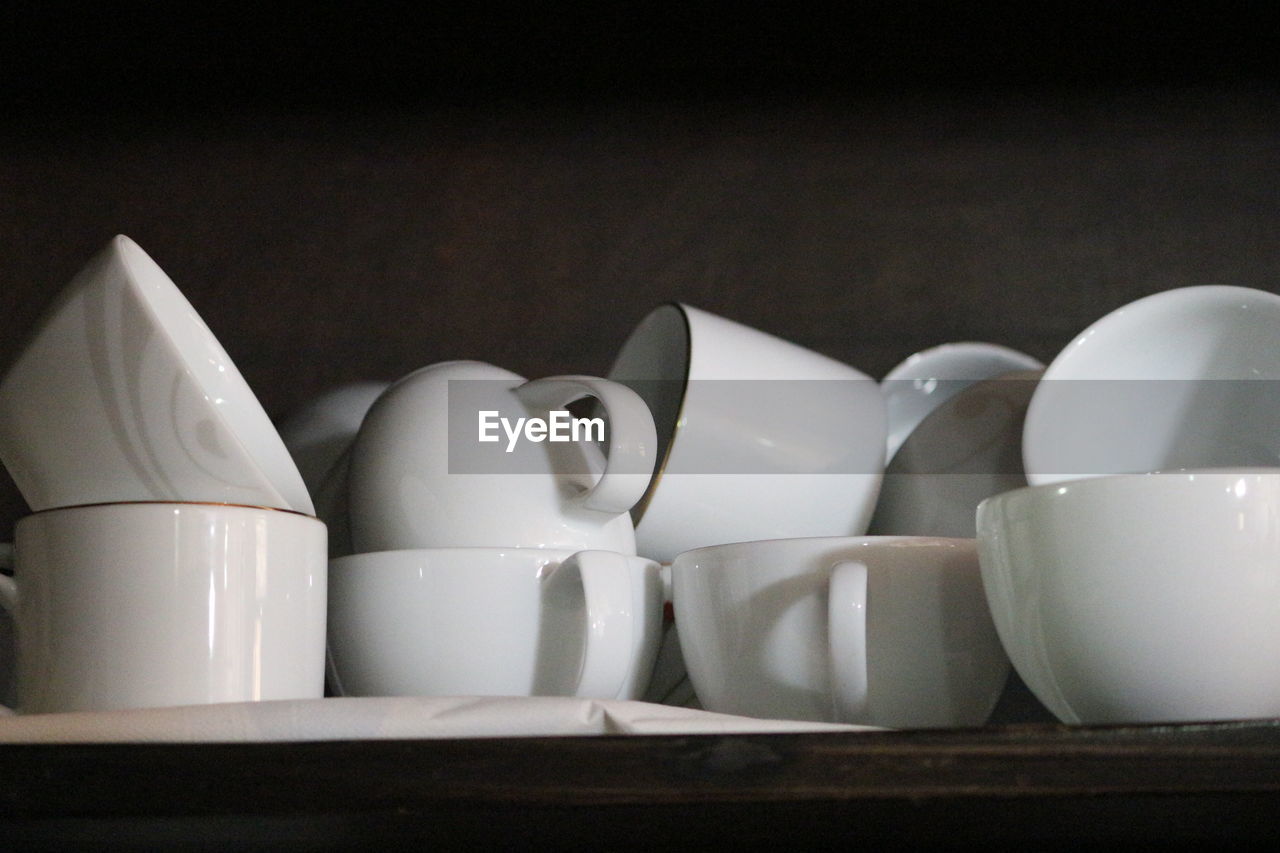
386,718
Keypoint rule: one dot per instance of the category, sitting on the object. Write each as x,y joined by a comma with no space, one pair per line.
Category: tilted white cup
159,604
420,477
322,430
494,621
1142,597
123,393
888,631
927,379
967,449
759,438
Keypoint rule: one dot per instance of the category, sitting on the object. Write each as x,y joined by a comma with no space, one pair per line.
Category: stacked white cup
172,556
503,567
1137,579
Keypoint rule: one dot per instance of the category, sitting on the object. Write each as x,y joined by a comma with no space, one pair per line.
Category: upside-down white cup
123,394
1141,597
494,621
158,604
1186,378
758,437
888,631
421,477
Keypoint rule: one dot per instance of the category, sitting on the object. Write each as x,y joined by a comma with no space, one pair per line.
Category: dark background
356,193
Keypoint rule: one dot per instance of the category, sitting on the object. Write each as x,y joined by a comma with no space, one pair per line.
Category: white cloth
354,718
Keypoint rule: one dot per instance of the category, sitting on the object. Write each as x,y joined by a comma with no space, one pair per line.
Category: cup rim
226,504
553,553
1102,481
642,505
849,541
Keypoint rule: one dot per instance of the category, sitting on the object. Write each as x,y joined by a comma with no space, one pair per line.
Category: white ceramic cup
927,379
320,435
493,621
1187,378
420,478
888,631
758,437
966,450
1140,598
159,604
320,432
123,393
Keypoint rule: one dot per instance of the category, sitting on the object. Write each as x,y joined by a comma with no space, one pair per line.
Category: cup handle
633,440
610,621
847,637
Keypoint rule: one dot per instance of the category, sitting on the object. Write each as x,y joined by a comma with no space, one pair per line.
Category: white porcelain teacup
322,430
967,449
123,393
420,475
888,631
1187,378
759,438
158,604
1141,597
927,379
494,621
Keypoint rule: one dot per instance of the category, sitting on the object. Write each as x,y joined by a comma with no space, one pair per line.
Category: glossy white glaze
318,433
494,621
124,394
756,631
927,379
967,449
161,604
1140,598
758,437
1187,378
404,493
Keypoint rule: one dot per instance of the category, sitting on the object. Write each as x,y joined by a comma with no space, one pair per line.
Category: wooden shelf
1031,782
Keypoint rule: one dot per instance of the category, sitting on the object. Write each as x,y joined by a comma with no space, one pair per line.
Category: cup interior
654,362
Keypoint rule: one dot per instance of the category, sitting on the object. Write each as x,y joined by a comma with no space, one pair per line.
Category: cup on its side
494,622
757,437
886,631
157,604
1141,598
